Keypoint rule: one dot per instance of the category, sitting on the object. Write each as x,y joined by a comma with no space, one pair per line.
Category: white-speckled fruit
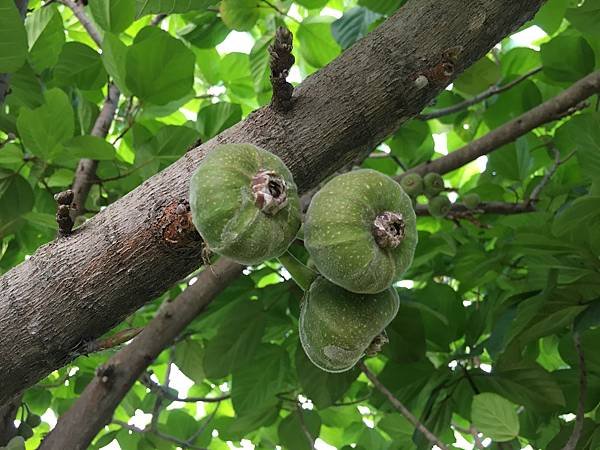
339,231
337,326
245,203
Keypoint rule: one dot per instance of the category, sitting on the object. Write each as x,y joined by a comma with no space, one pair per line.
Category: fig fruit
433,184
471,201
360,230
412,183
439,206
337,326
244,203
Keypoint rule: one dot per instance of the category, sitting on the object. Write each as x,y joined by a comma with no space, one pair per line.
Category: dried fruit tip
388,229
270,192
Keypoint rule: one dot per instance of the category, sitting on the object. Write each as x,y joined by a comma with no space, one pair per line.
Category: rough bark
548,111
76,288
95,406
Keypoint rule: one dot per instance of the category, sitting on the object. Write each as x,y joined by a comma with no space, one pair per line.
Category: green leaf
584,210
11,156
113,15
567,58
317,45
585,18
114,53
13,37
582,134
25,88
406,334
512,103
352,26
188,357
479,77
519,60
291,430
159,67
313,4
495,417
259,60
323,388
408,143
513,161
44,128
80,65
240,15
205,30
180,424
236,341
91,147
16,197
145,7
255,384
386,7
217,117
550,15
399,429
46,37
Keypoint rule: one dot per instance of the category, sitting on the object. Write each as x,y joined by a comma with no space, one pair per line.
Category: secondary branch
550,110
94,407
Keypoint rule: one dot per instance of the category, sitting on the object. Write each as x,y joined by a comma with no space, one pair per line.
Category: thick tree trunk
78,287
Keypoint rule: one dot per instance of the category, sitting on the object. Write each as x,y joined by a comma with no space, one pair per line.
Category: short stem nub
270,191
388,229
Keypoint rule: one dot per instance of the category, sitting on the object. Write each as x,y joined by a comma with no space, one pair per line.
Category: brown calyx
270,191
388,229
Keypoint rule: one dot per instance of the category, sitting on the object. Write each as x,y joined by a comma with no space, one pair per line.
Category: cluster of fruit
25,428
432,186
359,230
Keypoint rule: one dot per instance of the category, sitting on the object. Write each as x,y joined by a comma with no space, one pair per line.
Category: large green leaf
16,198
44,128
584,210
480,76
586,18
567,58
254,385
317,45
159,67
352,26
205,30
113,15
293,429
213,119
239,15
91,147
81,66
582,134
236,341
145,7
45,36
399,429
188,357
114,53
386,7
323,388
13,37
495,417
551,14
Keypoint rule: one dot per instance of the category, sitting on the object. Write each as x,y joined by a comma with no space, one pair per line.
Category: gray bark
78,287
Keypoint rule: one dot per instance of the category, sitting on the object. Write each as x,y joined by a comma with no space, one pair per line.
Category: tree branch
494,90
485,207
399,406
576,434
510,131
94,408
162,391
76,289
78,11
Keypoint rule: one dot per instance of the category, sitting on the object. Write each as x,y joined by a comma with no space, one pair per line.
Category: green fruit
471,201
25,431
439,206
337,326
245,203
412,183
433,184
360,231
33,420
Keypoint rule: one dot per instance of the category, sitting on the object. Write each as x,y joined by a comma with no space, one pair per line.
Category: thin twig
195,436
575,435
473,432
160,434
309,437
535,193
400,407
162,391
78,11
157,19
494,90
